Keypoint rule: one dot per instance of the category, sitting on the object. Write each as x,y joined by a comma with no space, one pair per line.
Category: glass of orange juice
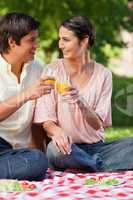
50,80
51,73
63,85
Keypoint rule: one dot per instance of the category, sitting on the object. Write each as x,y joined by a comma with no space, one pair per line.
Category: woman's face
69,44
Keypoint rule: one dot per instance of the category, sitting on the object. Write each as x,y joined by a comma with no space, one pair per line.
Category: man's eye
32,40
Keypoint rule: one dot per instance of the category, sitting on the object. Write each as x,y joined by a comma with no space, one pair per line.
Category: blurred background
113,20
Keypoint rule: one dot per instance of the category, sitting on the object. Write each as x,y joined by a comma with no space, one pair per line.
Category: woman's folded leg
117,155
77,159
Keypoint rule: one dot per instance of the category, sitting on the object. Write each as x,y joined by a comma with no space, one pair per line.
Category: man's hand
40,87
62,142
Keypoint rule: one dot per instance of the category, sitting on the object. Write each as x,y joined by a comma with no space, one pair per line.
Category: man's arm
39,88
10,105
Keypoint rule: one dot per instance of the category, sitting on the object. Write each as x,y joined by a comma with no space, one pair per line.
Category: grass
118,132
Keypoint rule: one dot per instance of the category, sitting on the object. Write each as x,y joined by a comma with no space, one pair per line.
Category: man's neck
16,66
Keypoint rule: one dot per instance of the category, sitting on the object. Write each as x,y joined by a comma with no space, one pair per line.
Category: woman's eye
66,40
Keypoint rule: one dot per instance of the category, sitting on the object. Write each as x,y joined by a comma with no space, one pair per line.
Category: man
20,86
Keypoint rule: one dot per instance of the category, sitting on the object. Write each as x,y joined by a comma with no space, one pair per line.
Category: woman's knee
52,151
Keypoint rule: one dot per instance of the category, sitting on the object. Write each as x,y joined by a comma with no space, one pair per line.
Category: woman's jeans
100,156
21,164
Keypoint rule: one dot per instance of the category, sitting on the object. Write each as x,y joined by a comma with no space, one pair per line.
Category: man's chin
31,58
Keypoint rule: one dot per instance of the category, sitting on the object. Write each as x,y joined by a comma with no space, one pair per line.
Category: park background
113,20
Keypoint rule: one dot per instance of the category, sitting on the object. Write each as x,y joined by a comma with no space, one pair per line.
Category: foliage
108,16
122,101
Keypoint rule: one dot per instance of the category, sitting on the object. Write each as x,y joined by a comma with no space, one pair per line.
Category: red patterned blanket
77,186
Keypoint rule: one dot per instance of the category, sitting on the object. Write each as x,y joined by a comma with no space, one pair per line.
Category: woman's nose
61,44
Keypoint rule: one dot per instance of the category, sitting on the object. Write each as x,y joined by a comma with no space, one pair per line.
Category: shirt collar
6,67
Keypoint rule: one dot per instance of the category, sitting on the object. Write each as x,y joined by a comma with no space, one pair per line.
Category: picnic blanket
72,186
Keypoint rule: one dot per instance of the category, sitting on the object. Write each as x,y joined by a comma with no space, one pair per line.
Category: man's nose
36,45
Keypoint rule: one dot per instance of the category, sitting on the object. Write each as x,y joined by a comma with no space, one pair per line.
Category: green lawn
117,133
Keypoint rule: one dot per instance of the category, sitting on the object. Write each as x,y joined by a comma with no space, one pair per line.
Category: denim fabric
4,145
79,158
100,156
117,155
21,164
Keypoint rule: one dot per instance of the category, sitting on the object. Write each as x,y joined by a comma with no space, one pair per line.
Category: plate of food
108,181
9,185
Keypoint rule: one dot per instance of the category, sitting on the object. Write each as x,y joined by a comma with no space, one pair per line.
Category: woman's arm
101,116
61,140
90,115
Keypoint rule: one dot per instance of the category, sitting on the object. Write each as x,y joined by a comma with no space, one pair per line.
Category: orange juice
52,81
62,87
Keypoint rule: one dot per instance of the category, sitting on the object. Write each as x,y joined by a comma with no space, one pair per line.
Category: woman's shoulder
55,63
53,67
102,70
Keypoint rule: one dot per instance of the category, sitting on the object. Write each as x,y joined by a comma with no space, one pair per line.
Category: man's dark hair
82,27
15,25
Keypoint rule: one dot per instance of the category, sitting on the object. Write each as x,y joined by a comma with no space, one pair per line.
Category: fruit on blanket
102,181
110,182
7,185
32,186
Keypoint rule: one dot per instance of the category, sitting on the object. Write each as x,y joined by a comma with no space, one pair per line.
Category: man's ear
11,42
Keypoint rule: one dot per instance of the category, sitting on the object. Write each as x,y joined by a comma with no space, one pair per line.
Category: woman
76,118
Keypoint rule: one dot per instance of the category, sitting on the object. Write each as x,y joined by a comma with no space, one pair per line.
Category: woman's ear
85,42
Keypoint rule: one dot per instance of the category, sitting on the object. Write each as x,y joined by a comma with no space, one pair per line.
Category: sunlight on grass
117,133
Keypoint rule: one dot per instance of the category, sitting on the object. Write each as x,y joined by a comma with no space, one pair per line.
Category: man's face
25,51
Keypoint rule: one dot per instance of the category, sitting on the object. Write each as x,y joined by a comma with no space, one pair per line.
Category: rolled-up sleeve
45,108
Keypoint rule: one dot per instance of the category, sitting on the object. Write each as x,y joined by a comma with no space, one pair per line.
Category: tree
109,18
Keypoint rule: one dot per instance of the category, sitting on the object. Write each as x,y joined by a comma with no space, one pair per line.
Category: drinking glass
51,73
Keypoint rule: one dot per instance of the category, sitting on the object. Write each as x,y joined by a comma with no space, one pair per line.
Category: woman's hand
71,95
62,142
